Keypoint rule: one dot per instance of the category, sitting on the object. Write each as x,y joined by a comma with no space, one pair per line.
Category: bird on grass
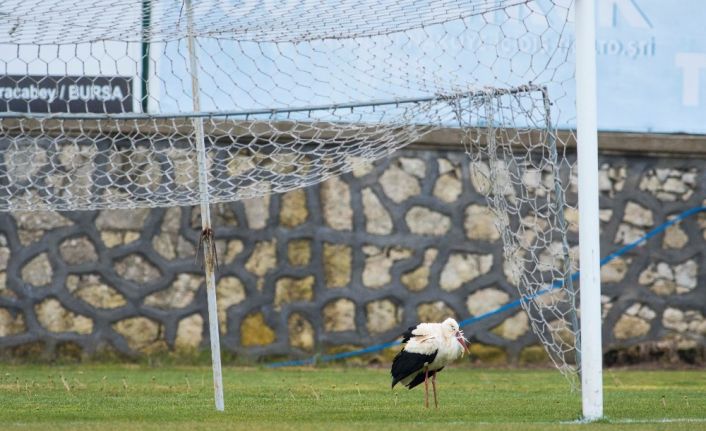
427,349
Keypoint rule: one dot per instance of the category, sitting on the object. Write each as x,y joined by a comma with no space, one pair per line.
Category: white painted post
589,228
207,237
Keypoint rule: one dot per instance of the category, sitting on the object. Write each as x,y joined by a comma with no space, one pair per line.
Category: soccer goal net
155,103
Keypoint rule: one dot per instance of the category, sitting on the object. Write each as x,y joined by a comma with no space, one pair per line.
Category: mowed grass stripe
107,397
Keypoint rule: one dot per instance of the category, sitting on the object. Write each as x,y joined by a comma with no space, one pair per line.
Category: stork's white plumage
428,348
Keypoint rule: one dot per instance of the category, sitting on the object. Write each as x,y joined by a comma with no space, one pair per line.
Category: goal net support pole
207,238
589,228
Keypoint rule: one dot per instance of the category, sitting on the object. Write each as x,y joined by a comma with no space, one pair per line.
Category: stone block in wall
436,311
615,270
338,261
611,179
606,305
398,184
31,225
24,161
418,279
562,330
52,315
376,273
480,178
301,332
382,315
165,243
687,322
76,251
635,322
487,354
636,219
571,215
336,204
480,223
232,249
627,234
38,271
186,167
254,331
666,279
638,215
12,322
339,315
257,211
464,267
448,187
604,215
4,291
91,289
513,327
413,166
262,260
142,334
291,289
4,259
377,219
533,355
185,248
79,177
674,237
299,252
423,221
360,166
670,184
293,210
701,220
485,300
179,294
137,268
241,163
171,223
121,226
4,252
189,333
552,298
229,291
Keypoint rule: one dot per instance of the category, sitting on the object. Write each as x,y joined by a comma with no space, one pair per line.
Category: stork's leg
433,385
426,387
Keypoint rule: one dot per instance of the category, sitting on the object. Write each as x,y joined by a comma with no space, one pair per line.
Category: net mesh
525,175
125,104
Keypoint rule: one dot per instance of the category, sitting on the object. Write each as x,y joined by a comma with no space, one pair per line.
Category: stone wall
347,263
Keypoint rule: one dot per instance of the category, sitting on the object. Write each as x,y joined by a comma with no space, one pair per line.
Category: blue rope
509,306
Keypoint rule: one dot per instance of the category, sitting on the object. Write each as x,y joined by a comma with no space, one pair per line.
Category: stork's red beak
462,341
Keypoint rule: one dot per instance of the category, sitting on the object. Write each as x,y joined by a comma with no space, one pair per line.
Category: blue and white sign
652,65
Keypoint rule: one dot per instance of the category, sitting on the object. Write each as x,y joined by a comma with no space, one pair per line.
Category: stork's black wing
406,363
419,378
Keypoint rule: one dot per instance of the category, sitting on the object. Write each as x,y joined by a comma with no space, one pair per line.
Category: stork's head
451,327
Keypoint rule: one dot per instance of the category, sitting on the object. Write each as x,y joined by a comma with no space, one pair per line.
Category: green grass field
117,397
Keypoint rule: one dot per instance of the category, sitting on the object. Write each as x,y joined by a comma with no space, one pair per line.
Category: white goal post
160,103
589,224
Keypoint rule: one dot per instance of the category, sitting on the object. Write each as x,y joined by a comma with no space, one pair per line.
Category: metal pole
589,228
207,240
146,34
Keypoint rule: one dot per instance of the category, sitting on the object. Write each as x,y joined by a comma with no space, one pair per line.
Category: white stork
428,348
